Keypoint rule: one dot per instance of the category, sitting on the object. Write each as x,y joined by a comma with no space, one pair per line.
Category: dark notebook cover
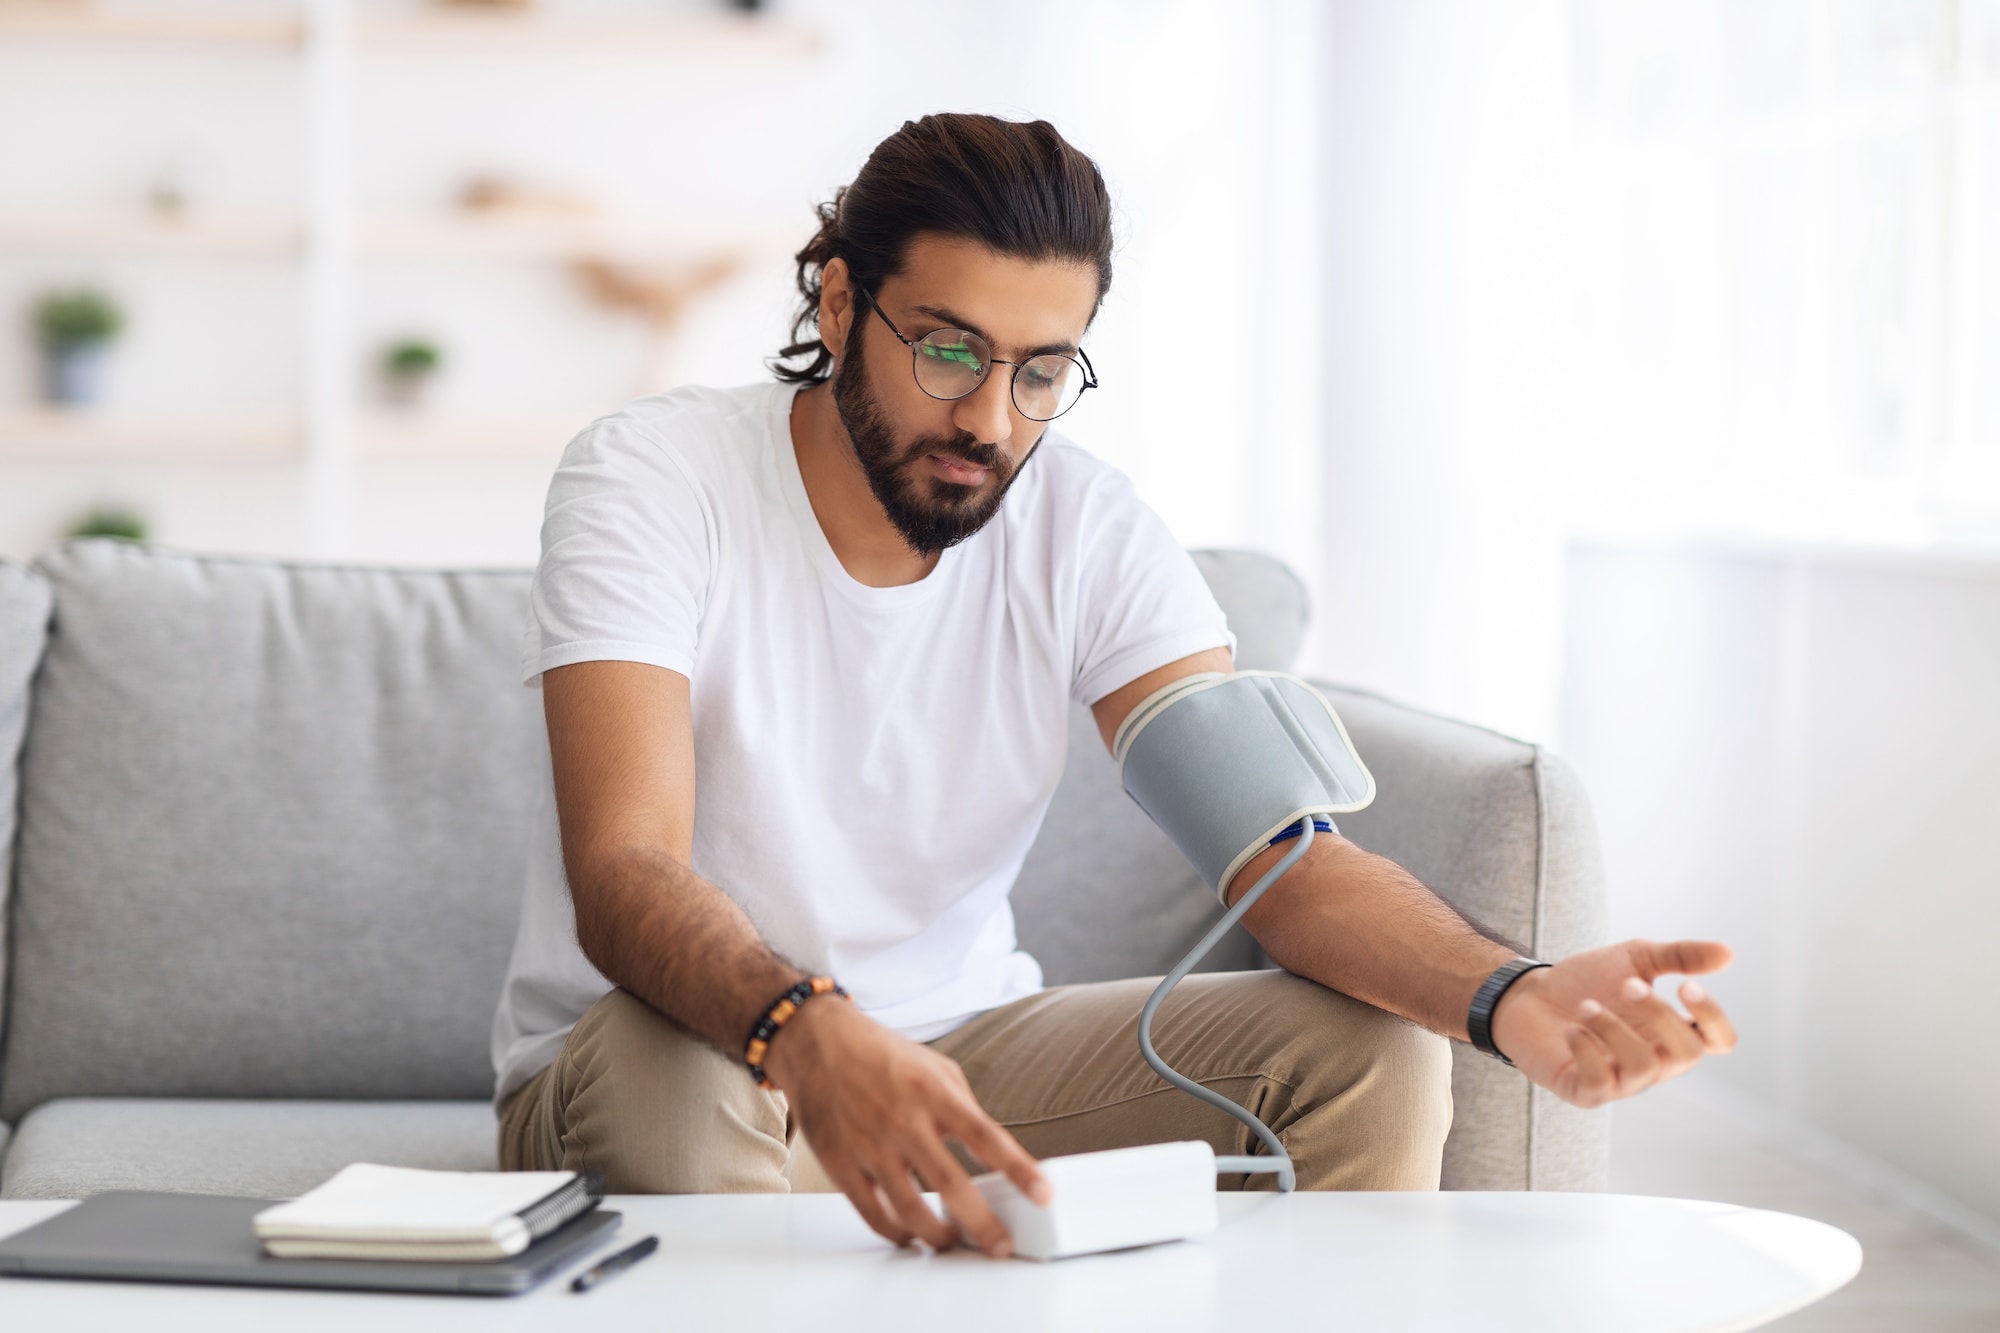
204,1238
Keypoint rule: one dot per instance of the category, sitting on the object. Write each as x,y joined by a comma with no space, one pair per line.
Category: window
1790,269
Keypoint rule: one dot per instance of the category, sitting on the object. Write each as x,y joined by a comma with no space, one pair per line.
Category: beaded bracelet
774,1018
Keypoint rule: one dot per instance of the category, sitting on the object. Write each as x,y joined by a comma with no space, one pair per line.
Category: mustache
962,447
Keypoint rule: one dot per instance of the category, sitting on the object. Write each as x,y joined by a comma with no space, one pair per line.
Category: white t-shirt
872,764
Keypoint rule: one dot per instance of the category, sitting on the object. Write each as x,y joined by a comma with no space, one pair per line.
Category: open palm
1591,1029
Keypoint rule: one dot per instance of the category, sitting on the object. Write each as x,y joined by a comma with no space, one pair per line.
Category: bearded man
807,651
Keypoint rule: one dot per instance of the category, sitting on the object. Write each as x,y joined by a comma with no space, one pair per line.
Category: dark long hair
1018,188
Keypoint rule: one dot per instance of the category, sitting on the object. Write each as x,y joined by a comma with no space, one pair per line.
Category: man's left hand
1591,1030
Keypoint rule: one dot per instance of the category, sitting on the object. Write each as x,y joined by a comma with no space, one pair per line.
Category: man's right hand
878,1109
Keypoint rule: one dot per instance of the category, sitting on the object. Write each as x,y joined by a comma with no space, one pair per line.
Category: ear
836,306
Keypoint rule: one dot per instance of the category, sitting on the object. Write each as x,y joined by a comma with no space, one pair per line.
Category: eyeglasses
951,363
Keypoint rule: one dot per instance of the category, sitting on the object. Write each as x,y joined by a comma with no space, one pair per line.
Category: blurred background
1617,373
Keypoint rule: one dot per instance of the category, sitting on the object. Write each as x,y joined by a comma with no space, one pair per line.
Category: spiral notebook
402,1213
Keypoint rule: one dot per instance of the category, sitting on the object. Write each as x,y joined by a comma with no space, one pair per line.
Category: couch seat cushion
76,1147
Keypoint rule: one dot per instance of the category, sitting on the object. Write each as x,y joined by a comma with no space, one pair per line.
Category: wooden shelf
526,236
679,34
441,30
84,23
421,433
54,434
62,434
439,236
143,233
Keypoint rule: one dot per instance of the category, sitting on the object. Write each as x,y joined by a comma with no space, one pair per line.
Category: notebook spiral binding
564,1205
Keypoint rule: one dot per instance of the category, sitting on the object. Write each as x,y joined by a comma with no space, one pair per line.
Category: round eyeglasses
951,363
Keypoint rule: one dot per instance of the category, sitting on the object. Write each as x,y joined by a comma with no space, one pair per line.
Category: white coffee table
1545,1263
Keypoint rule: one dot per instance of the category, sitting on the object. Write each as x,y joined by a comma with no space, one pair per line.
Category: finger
867,1201
1001,1151
910,1208
1632,1056
1674,1039
1717,1033
1685,957
939,1170
1594,1080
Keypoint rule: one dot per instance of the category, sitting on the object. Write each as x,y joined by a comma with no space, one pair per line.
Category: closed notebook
398,1212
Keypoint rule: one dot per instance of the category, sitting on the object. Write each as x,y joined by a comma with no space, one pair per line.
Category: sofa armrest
24,623
1502,830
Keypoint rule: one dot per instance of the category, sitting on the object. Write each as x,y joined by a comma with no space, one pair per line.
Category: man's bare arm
1590,1028
877,1107
621,739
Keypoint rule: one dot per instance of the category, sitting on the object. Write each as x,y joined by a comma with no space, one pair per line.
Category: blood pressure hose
1278,1161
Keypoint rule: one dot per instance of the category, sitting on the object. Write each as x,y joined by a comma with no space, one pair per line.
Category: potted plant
408,367
111,521
74,328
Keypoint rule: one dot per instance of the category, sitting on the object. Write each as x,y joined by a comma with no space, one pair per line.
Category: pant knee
1378,1105
654,1110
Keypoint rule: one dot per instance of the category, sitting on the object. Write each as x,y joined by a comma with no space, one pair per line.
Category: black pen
617,1263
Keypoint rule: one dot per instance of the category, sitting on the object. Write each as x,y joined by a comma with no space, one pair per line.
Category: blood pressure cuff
1225,762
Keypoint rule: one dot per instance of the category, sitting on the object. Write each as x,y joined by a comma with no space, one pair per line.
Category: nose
987,413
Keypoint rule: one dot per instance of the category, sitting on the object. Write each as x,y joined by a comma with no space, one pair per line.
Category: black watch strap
1479,1018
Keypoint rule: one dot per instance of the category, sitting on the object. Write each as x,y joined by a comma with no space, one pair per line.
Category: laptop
147,1237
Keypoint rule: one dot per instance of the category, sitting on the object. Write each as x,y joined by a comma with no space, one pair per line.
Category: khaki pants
1361,1099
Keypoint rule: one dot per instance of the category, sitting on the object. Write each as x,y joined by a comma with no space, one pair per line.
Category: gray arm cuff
1224,763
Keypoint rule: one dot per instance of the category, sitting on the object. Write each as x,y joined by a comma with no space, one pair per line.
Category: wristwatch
1479,1018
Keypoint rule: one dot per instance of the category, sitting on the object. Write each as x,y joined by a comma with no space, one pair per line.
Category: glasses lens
951,362
1045,387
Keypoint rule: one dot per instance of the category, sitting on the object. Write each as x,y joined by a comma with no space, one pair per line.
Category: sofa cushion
24,619
1103,893
271,830
72,1149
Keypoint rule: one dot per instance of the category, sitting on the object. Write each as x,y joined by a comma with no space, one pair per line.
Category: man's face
940,469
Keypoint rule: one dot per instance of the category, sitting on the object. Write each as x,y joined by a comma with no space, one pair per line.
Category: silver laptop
145,1237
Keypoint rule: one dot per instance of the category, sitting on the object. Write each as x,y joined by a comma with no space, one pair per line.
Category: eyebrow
958,322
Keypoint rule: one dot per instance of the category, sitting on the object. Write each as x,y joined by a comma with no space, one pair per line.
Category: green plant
111,522
412,358
83,315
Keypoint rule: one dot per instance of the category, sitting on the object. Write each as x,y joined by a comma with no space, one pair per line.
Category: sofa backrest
24,622
273,829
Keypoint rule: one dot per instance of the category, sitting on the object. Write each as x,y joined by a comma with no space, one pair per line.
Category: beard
929,513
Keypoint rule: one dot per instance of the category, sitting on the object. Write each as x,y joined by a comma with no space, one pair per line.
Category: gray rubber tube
1279,1161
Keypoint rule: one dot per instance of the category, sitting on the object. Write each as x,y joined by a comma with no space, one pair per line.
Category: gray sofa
261,834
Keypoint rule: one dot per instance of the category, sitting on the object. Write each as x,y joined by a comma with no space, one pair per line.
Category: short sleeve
627,553
1141,602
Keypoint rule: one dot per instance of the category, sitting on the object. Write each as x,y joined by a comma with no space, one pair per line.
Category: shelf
82,23
526,236
424,434
54,434
442,30
143,233
440,236
685,34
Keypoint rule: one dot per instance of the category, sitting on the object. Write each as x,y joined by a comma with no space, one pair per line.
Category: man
807,650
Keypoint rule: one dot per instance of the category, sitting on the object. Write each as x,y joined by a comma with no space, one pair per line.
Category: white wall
1793,750
1444,382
